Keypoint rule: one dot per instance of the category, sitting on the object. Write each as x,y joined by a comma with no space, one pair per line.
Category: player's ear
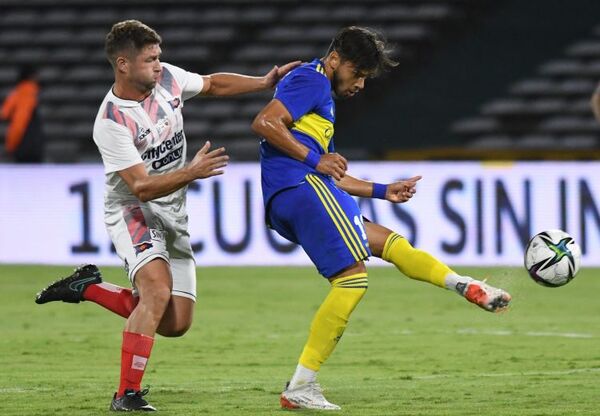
334,60
122,64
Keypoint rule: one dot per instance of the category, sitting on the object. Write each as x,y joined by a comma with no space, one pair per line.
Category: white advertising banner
466,213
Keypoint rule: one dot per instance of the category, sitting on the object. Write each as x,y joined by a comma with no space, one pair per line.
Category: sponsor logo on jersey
174,103
165,147
162,124
168,159
141,139
158,234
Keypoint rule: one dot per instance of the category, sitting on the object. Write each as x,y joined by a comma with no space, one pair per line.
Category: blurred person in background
139,133
24,141
308,200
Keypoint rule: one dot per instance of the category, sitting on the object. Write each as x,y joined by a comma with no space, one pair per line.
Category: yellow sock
331,319
414,263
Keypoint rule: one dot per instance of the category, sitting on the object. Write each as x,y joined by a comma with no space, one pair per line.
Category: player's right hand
333,164
206,164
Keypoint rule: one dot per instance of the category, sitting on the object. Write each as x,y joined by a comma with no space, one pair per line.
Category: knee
156,298
161,295
398,250
356,281
177,330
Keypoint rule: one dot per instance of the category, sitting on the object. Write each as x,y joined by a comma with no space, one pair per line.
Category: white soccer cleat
485,296
305,396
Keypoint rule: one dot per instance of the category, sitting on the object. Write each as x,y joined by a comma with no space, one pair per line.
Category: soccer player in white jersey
139,132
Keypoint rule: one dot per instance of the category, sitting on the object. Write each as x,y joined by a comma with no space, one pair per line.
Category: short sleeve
116,146
331,147
301,92
177,80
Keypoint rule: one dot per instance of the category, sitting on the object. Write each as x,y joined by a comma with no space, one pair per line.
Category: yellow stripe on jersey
353,235
320,69
317,127
350,235
333,218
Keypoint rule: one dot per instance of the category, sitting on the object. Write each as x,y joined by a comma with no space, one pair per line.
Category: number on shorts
359,224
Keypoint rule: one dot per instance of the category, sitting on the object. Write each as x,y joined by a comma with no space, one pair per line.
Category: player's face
348,81
144,68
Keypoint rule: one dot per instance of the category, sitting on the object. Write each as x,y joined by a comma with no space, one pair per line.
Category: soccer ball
552,258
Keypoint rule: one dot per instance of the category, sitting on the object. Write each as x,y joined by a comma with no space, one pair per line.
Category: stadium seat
8,74
550,110
16,37
580,142
585,49
65,40
491,142
198,130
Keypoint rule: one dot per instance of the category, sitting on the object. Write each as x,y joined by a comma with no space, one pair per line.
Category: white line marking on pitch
12,390
559,334
523,374
471,331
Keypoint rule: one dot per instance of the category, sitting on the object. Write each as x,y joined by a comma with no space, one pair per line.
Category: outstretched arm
225,84
400,191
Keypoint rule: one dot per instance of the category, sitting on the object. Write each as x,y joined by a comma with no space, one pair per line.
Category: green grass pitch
410,348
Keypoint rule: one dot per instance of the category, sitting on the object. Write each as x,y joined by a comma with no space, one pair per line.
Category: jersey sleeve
116,146
331,147
301,92
189,83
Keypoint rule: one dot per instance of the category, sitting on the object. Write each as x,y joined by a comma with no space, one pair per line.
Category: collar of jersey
317,62
121,102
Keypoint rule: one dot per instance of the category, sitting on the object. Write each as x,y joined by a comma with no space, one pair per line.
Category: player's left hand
403,190
275,74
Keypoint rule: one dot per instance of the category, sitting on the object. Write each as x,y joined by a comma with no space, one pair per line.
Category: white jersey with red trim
151,132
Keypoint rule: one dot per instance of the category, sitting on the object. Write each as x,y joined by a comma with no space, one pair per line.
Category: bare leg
153,282
177,318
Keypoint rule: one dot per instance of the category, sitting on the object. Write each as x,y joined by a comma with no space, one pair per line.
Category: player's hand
206,164
403,190
275,74
333,164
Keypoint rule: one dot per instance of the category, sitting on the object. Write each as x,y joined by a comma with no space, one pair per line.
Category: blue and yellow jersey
306,93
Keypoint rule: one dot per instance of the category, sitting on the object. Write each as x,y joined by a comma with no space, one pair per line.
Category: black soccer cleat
131,401
70,289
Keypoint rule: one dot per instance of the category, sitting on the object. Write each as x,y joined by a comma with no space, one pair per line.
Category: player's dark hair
365,48
129,36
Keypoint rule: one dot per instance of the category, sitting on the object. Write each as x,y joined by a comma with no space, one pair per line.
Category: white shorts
144,232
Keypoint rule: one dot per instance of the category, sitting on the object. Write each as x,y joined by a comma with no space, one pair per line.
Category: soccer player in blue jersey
307,195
